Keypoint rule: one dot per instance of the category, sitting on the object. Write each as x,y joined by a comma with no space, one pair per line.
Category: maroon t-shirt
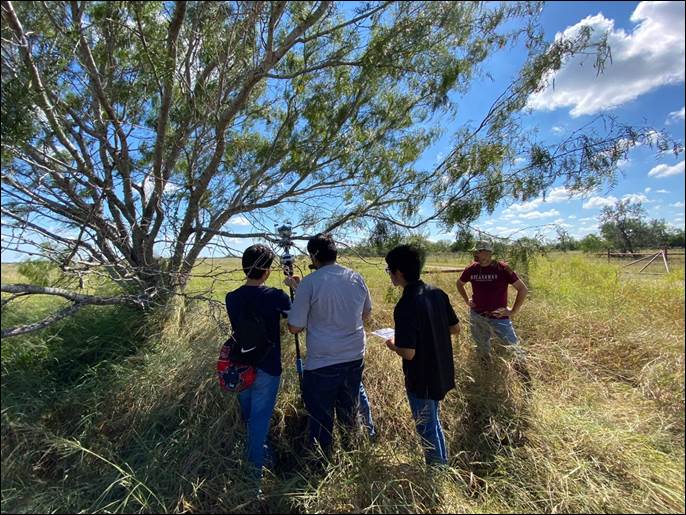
489,285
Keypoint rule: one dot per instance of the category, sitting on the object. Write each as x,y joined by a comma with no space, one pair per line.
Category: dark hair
256,259
322,247
408,259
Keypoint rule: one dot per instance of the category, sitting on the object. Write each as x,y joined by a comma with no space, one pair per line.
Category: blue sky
643,85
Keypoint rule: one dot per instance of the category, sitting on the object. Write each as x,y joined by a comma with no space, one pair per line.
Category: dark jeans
328,389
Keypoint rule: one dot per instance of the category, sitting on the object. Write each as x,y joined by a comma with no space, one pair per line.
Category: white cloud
525,206
649,56
561,222
675,116
66,232
636,197
589,228
678,204
664,170
559,194
238,220
149,186
535,215
502,231
597,202
623,163
442,236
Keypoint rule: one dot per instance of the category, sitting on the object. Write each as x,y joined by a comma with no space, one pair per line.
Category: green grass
114,411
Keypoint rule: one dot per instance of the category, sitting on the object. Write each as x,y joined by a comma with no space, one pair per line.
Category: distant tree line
384,236
623,227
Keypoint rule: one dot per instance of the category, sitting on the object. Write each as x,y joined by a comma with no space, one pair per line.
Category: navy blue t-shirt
270,304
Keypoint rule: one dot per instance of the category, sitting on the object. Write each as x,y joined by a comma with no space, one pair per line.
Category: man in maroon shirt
489,312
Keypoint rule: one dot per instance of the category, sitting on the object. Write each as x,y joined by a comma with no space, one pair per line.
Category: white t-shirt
329,303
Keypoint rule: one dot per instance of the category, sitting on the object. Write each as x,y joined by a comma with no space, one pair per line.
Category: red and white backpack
233,376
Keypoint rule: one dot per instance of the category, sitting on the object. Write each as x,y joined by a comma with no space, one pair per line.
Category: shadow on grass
44,371
54,383
496,413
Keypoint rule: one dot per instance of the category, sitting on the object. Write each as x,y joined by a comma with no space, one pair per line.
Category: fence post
664,257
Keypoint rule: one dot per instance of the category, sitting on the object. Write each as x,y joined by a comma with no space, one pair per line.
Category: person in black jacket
424,322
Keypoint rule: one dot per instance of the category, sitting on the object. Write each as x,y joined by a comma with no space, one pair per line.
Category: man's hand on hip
503,312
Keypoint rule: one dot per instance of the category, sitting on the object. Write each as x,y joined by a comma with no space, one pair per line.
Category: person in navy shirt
271,304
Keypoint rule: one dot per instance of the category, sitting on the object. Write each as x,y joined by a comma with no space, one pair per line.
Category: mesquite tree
134,131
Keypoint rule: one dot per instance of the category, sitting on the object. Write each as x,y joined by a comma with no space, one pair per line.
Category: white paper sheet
386,333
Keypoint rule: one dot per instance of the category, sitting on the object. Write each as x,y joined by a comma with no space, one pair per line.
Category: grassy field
115,411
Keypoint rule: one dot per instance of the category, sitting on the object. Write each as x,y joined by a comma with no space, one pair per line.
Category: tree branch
28,328
79,300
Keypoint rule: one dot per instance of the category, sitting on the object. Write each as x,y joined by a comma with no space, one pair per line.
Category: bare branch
28,328
79,300
70,295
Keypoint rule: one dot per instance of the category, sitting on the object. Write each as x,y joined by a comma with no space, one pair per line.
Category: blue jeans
428,424
366,412
483,328
328,389
257,405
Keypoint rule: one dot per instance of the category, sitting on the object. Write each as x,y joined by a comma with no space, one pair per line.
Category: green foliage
625,227
383,238
676,238
521,253
464,241
592,243
216,107
17,114
565,241
38,272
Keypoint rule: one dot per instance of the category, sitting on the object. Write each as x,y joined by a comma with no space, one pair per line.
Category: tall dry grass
147,430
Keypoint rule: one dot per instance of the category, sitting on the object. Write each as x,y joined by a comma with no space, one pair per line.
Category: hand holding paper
387,333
